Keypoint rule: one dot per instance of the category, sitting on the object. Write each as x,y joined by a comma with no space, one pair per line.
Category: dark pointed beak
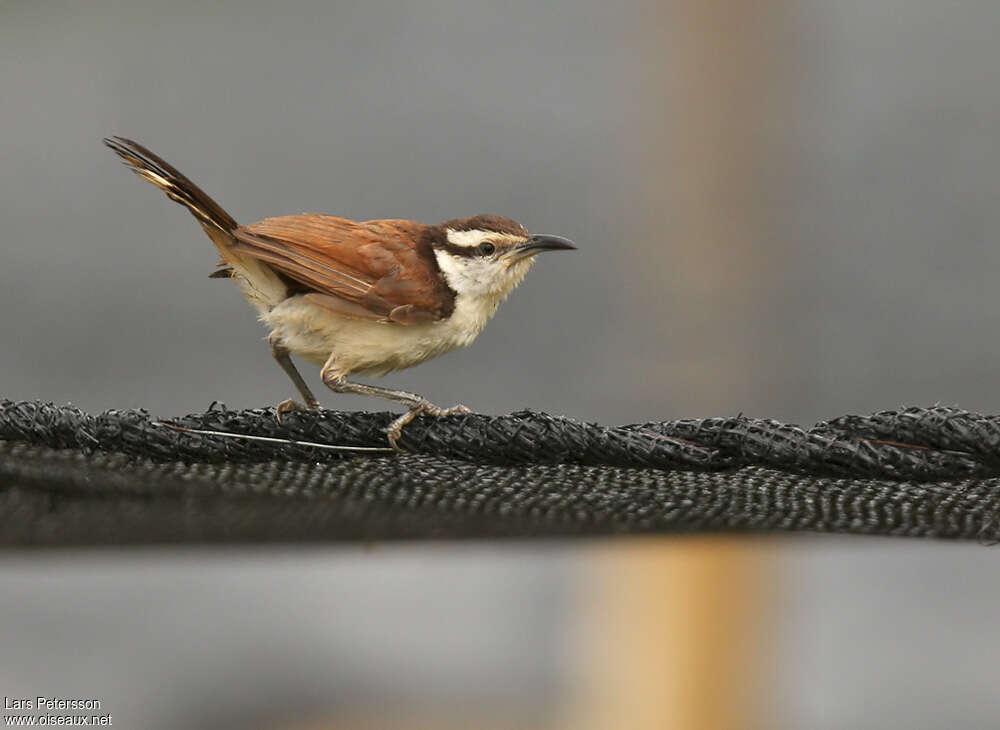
547,243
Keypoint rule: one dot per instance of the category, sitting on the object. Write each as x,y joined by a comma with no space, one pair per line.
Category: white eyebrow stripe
471,239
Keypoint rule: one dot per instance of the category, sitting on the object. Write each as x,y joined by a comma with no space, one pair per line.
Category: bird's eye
486,249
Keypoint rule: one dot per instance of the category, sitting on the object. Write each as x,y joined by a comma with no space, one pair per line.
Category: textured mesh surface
67,477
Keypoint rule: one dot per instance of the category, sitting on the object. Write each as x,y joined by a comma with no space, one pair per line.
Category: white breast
371,348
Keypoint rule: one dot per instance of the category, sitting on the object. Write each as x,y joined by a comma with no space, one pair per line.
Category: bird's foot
424,408
291,405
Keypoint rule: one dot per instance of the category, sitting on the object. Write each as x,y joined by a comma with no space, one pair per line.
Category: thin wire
269,439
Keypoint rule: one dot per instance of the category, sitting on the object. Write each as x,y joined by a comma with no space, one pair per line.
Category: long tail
178,187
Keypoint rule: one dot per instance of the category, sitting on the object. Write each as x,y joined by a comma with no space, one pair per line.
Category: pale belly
363,347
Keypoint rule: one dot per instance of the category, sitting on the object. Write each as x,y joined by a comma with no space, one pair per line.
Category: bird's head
487,255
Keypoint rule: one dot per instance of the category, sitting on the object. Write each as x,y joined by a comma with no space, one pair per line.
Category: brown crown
496,223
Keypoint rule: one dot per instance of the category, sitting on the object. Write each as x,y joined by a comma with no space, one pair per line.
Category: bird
359,297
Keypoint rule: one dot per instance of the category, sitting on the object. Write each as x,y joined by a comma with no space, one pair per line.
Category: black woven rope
914,443
67,477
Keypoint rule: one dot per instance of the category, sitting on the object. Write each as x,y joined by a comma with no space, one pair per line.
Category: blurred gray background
787,210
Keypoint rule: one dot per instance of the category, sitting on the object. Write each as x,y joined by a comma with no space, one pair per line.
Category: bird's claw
292,406
426,408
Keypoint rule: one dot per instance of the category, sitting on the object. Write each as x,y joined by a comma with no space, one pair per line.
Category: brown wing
373,270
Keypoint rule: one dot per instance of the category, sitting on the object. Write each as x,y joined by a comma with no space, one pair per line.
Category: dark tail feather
166,177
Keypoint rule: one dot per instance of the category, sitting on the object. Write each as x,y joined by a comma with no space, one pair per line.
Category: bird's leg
417,404
280,353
